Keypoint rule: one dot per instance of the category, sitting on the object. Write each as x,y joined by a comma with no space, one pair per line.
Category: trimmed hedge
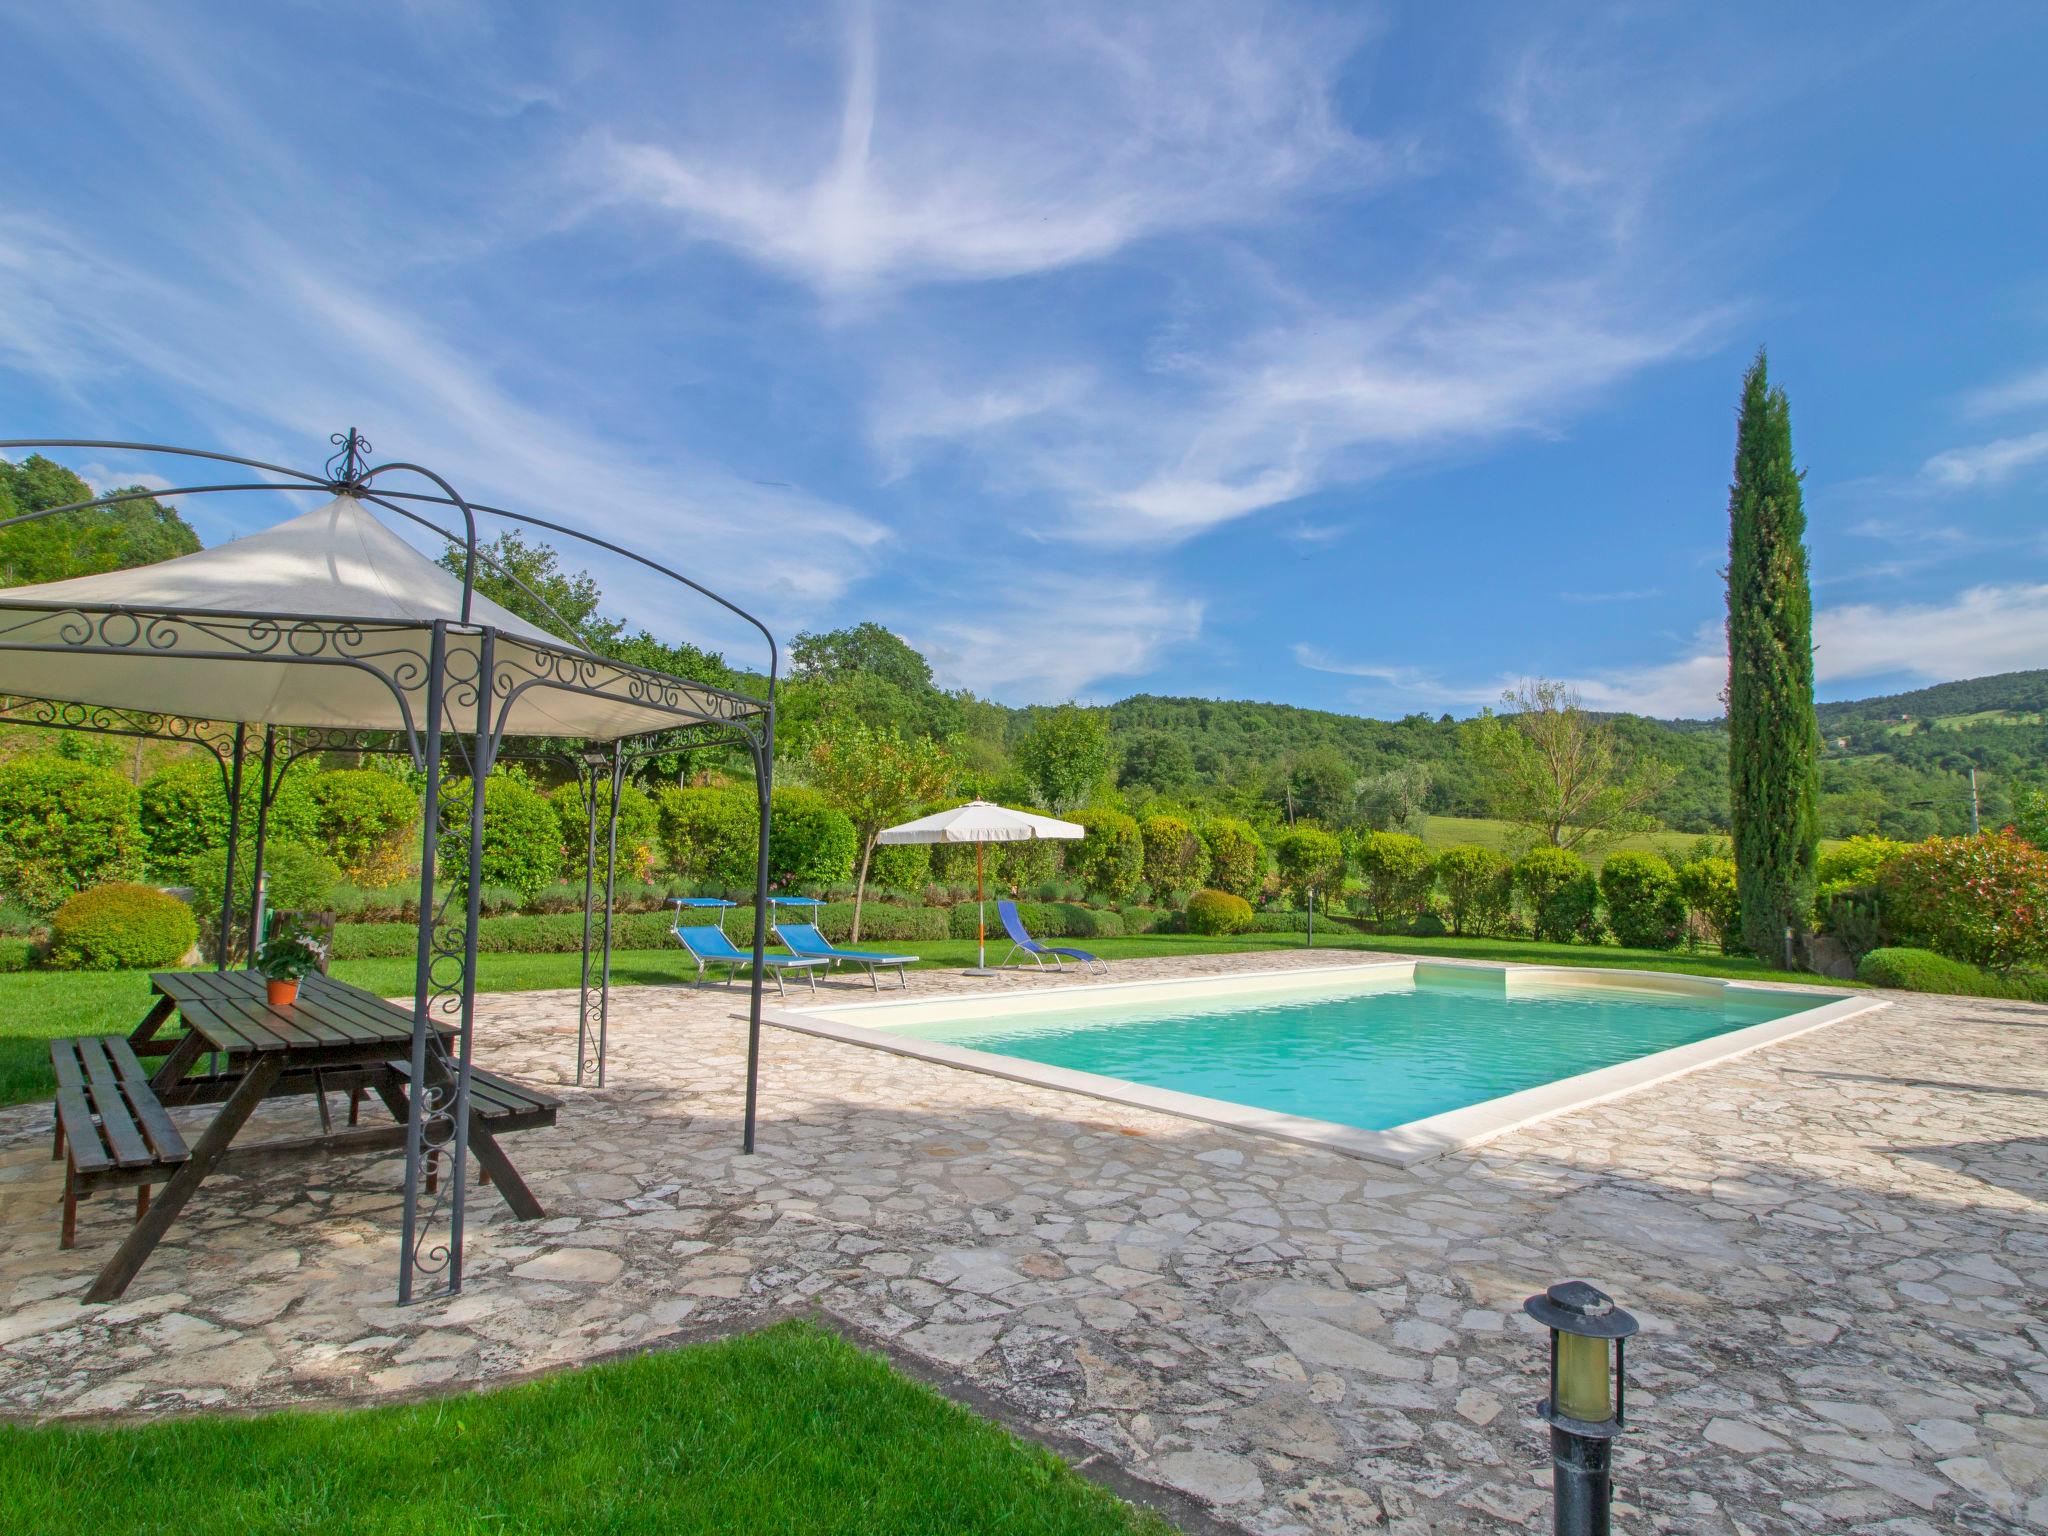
120,927
16,954
1922,970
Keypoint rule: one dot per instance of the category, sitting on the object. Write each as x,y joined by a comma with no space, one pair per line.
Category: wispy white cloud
317,349
1985,464
2021,392
1327,396
1008,141
1056,637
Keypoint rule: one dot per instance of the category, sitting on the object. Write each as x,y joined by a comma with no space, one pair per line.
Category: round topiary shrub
1217,913
1175,858
1561,893
184,811
1110,859
1398,874
296,877
708,834
639,830
1479,888
522,835
1643,905
1236,856
810,841
64,826
120,927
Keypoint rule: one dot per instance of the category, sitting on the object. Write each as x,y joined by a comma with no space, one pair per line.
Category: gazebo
329,633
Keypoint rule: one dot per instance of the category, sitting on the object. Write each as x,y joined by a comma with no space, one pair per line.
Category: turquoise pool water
1373,1057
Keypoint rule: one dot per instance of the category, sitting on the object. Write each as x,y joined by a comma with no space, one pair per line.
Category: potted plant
288,955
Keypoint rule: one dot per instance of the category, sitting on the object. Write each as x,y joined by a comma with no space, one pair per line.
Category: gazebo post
227,894
762,750
586,772
262,832
611,881
480,759
423,955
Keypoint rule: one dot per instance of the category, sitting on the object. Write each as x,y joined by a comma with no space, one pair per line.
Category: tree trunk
860,887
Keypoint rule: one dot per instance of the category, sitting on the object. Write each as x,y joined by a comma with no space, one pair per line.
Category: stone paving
1838,1246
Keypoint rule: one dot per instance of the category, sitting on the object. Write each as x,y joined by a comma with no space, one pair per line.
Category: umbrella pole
981,919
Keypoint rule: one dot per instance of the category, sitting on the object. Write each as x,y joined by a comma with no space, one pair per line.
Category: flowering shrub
1983,900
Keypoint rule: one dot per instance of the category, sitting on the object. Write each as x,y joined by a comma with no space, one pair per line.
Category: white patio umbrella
980,822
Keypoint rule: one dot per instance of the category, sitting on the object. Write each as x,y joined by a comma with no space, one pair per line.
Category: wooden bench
111,1131
498,1104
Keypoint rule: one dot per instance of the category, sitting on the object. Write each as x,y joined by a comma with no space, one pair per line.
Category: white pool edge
1402,1145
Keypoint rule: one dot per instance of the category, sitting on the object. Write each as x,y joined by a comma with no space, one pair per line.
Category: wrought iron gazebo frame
474,678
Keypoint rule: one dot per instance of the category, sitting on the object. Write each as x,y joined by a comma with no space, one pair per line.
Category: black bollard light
1585,1408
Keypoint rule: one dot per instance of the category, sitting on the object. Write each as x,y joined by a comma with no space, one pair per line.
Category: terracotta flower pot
283,991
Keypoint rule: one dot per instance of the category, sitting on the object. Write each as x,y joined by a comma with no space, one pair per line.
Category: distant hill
1897,765
2007,698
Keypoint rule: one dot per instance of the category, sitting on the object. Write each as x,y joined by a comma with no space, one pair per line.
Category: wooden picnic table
334,1037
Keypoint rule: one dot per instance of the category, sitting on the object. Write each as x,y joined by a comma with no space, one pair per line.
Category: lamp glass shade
1584,1380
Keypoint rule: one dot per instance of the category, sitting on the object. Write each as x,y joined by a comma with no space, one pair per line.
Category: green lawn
787,1430
35,1005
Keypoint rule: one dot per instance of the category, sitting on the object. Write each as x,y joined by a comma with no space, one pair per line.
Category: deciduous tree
1556,773
877,778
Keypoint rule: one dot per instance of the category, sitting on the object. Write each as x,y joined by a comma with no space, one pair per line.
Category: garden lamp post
1585,1406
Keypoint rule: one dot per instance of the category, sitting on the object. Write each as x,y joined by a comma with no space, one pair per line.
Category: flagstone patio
1838,1247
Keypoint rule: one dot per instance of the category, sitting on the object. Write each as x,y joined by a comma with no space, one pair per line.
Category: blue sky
1360,357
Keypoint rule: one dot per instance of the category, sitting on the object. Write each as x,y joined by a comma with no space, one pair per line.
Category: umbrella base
981,970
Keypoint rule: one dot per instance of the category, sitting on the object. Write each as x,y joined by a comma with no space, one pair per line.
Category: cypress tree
1773,734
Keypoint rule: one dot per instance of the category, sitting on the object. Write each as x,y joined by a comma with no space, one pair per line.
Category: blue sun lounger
806,941
709,946
1020,938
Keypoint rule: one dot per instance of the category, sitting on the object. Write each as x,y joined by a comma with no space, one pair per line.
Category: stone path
1838,1246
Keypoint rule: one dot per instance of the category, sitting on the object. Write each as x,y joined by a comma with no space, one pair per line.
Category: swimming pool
1393,1061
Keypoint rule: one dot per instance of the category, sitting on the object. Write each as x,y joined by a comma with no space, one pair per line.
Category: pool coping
1433,1136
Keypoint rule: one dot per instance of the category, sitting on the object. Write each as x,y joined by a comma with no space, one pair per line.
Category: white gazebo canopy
322,621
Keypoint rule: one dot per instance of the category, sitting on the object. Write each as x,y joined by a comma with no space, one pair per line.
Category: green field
790,1430
1447,831
36,1005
